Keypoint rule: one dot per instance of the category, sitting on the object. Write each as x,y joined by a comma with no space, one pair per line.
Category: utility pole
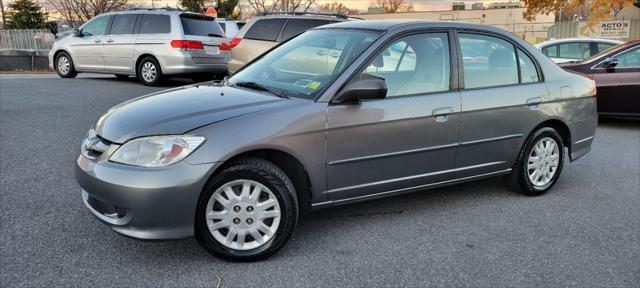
4,17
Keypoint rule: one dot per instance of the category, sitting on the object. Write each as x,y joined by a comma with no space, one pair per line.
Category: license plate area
211,50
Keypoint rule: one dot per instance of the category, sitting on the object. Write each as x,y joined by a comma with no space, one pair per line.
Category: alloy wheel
63,65
148,72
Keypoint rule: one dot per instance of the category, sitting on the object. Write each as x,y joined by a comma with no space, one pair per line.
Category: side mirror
77,32
363,89
610,63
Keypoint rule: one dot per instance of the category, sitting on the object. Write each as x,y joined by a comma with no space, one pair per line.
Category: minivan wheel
539,164
64,66
149,71
246,212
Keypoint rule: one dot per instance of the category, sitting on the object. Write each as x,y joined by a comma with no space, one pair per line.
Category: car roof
584,39
408,24
303,15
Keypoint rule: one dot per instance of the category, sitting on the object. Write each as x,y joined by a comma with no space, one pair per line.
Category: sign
612,29
212,12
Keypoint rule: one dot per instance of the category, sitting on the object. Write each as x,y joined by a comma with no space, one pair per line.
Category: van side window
415,64
265,29
550,51
528,71
487,61
123,24
95,27
297,26
574,50
155,24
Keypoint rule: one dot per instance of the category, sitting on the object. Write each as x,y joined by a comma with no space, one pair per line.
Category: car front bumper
143,203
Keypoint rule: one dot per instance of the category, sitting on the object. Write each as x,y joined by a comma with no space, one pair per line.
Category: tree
192,5
226,8
4,16
336,7
25,14
599,9
262,6
393,6
79,11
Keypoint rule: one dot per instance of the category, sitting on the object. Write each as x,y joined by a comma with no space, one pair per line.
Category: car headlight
156,151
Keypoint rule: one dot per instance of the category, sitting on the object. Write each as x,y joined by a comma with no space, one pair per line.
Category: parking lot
584,232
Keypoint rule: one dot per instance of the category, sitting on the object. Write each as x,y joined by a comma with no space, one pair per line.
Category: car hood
180,110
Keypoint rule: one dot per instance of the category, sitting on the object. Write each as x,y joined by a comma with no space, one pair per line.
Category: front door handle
442,114
97,41
109,40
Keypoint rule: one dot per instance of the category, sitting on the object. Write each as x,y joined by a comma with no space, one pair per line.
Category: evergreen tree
25,14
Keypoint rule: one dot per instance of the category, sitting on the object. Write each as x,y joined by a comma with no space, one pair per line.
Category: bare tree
4,18
78,11
262,6
393,6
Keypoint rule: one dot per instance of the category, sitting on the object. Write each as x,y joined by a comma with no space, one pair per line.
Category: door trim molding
413,177
408,189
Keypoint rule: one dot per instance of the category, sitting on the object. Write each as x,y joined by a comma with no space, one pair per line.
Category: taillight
594,91
229,45
187,44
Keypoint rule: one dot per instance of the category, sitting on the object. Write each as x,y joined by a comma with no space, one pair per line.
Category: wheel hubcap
148,72
63,65
243,214
543,162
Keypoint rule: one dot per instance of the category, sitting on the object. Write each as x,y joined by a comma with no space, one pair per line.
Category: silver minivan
148,44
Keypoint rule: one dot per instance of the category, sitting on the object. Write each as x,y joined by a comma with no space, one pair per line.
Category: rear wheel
149,71
64,66
539,164
246,212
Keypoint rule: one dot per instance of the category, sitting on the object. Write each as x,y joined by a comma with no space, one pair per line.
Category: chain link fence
25,41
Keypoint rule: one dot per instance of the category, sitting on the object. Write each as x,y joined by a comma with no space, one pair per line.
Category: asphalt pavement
585,232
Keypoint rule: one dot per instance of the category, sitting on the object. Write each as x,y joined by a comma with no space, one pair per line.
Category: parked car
574,49
237,161
264,32
148,44
617,75
230,27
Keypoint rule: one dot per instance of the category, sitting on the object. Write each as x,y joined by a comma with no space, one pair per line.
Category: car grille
94,146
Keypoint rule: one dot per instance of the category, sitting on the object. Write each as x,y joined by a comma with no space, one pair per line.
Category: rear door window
297,26
603,46
265,29
200,25
123,24
575,50
155,24
223,26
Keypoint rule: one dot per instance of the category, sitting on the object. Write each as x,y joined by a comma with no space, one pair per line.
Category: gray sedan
342,113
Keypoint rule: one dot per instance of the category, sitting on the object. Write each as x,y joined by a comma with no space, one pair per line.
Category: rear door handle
97,41
442,114
534,102
109,40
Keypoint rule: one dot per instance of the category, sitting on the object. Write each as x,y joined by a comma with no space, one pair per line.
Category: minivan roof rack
307,13
158,9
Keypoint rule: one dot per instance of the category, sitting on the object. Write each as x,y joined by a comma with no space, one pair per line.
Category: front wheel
539,164
64,66
246,212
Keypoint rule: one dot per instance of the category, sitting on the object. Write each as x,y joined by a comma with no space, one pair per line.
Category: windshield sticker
313,85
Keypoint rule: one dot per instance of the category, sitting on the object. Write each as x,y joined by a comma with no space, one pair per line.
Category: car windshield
598,55
303,66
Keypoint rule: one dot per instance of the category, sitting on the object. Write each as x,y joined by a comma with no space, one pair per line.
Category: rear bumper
182,62
156,203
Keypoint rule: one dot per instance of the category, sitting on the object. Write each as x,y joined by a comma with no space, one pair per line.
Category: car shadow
305,239
625,123
166,83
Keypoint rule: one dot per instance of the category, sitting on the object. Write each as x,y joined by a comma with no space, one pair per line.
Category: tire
552,162
149,71
64,66
236,214
122,77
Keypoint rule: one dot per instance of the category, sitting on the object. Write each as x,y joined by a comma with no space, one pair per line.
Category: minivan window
155,24
265,29
603,46
223,26
415,64
297,26
97,26
487,61
123,24
200,25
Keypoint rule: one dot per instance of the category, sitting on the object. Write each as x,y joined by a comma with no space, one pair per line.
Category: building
455,6
504,5
477,6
